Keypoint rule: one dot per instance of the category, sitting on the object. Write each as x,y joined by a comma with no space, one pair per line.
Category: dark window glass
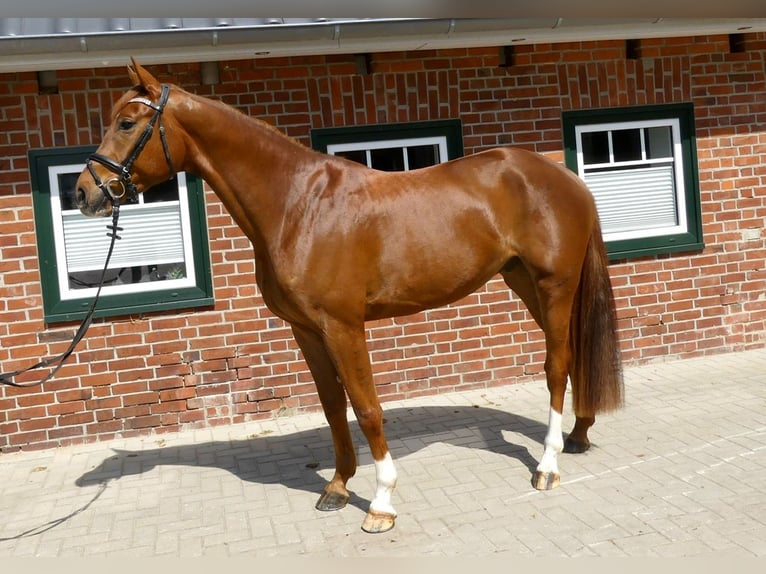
357,155
423,155
165,191
595,147
388,159
626,145
67,182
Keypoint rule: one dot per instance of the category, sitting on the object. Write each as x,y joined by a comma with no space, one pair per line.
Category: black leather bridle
122,170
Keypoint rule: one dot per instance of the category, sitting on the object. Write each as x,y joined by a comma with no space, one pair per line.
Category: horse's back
503,198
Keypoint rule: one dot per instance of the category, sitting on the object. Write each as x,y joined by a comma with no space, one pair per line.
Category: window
641,166
161,262
393,147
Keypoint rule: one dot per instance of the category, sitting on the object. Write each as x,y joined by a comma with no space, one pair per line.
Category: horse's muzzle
93,204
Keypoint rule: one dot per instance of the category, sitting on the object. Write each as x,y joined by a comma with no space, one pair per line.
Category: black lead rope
58,361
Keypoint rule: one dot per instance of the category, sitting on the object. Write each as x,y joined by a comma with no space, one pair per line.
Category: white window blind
154,235
635,199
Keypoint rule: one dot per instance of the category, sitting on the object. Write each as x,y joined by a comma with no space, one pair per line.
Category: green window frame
395,146
185,285
641,165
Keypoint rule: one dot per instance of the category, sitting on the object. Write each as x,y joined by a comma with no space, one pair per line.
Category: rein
58,361
124,179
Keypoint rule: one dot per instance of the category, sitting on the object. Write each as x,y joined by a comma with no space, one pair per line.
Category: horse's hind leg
578,441
550,303
519,280
556,308
333,399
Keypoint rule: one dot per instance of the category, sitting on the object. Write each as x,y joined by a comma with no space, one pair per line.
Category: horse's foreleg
333,399
348,348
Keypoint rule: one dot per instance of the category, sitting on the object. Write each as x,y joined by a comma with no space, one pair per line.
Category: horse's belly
412,289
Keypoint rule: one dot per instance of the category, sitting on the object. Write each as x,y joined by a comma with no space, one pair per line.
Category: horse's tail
596,374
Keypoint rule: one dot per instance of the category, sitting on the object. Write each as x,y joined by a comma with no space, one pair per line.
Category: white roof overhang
37,44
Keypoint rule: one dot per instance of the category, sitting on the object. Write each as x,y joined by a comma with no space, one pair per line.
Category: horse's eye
126,125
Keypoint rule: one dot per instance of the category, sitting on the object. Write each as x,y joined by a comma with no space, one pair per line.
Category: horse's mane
140,91
246,117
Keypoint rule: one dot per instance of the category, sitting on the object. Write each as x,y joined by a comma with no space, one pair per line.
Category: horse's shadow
295,460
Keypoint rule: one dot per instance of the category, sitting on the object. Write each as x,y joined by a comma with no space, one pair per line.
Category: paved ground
681,471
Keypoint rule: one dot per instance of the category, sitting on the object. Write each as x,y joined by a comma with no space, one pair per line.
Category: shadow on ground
294,460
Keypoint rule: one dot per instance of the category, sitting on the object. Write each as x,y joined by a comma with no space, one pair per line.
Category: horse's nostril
80,196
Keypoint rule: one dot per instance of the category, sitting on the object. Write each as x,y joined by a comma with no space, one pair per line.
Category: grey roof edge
80,44
54,27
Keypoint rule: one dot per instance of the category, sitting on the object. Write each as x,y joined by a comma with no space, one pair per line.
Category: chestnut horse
337,244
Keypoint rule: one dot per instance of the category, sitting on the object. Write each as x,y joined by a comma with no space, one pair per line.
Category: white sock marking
385,474
554,444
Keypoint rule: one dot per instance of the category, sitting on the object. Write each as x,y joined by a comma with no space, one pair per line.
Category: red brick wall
236,362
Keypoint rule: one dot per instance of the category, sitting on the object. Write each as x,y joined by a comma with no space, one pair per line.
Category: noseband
123,170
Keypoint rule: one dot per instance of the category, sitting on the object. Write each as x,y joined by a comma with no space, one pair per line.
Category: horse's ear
141,77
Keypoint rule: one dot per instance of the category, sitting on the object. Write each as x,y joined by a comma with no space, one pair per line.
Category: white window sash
153,233
368,146
637,199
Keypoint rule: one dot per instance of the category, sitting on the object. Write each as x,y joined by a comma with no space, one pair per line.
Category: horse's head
139,149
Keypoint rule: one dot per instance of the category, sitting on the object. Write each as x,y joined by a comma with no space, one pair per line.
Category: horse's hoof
331,501
572,446
377,522
545,480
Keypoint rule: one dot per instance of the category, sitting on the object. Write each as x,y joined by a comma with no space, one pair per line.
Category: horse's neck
249,164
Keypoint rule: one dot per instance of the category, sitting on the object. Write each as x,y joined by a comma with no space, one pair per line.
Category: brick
142,422
176,394
74,419
140,398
